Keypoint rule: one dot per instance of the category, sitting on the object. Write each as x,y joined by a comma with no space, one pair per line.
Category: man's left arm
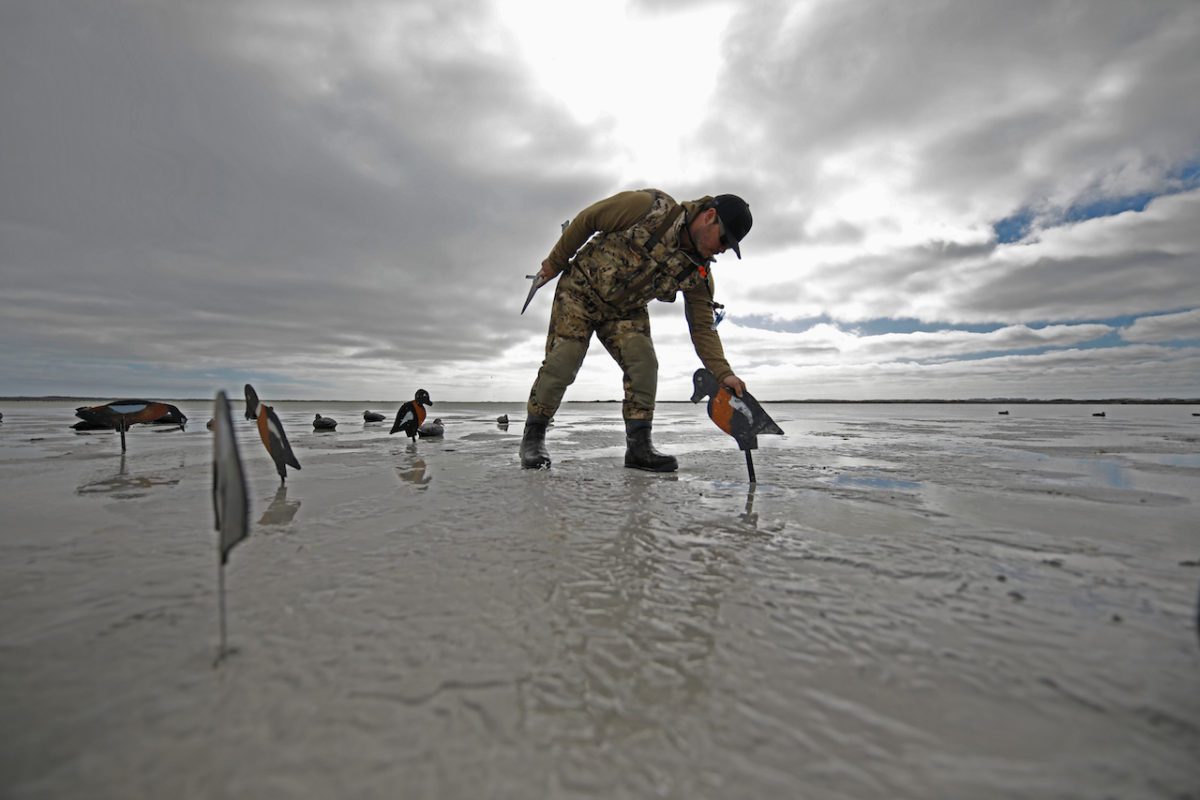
698,309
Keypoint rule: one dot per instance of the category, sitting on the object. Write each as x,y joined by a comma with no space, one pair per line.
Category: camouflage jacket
607,245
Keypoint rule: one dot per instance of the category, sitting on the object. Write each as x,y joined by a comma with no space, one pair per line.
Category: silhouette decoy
252,403
372,416
743,417
411,415
231,507
324,423
270,430
432,430
121,414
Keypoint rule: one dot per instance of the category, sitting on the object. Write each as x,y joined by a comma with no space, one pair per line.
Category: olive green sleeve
697,307
616,213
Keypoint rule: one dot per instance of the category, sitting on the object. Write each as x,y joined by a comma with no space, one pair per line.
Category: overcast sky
341,200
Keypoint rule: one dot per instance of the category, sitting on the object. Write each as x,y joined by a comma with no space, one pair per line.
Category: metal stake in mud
750,466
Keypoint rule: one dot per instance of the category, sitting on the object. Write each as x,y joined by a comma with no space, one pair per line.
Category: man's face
707,234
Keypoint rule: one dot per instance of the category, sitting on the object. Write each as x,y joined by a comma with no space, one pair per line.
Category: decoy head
422,397
704,384
316,418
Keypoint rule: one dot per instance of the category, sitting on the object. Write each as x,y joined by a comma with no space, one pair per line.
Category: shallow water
914,601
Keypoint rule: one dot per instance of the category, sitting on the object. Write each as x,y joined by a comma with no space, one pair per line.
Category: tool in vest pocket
538,280
718,314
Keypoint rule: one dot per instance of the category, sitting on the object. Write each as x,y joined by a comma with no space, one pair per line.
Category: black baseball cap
735,219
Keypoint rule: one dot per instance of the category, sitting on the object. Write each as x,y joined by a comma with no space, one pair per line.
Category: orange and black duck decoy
412,414
121,414
743,417
270,429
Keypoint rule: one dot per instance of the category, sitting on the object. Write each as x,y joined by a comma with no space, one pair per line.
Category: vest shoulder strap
661,231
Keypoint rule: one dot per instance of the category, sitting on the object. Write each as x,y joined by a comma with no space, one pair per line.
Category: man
615,257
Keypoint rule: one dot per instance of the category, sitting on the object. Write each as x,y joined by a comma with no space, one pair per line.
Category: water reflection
635,627
750,516
281,511
414,473
122,485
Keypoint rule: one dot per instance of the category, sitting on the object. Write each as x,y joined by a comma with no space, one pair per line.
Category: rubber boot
533,444
640,452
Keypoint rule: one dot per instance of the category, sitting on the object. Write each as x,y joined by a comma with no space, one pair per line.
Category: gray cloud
347,196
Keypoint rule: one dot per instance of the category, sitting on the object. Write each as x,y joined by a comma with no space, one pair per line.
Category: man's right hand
547,271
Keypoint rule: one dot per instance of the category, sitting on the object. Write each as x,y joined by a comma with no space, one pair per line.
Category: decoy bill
252,403
231,507
743,417
411,415
270,430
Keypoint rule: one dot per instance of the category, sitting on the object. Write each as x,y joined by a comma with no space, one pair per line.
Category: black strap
668,221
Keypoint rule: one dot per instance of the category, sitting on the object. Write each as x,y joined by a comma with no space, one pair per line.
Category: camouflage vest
625,275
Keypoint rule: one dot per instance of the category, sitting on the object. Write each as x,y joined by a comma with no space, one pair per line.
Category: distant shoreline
825,401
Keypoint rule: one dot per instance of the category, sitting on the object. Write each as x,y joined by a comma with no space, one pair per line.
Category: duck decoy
270,430
324,423
743,417
1098,414
373,416
1002,413
252,403
432,430
121,414
231,507
502,419
209,425
411,415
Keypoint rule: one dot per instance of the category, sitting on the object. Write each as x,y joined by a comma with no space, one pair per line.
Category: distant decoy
373,416
270,430
1194,414
502,419
743,417
121,414
252,403
1,417
324,423
411,415
210,423
1098,414
432,430
84,425
1002,413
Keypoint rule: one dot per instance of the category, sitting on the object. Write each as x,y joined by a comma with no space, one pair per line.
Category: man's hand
547,271
735,384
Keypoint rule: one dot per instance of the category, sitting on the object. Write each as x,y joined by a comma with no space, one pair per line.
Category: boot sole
664,468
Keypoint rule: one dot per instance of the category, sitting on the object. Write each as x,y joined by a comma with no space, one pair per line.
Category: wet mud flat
914,601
